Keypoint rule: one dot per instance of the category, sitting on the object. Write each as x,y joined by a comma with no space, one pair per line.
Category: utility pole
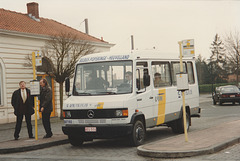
132,42
86,26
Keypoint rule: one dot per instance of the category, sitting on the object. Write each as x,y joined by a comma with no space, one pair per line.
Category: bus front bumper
97,131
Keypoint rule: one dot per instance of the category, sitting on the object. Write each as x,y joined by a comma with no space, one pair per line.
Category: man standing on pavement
22,103
46,106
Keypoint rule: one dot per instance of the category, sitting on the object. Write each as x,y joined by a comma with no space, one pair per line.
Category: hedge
207,88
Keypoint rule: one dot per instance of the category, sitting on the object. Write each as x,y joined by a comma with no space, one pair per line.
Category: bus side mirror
146,79
67,85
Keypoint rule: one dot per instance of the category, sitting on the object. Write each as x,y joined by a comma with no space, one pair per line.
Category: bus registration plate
90,129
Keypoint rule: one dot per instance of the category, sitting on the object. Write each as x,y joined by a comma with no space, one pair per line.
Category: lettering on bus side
158,98
187,92
76,105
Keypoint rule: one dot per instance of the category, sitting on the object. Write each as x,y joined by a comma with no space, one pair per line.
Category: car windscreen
232,89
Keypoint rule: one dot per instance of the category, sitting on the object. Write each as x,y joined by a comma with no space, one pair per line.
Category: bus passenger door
161,84
144,93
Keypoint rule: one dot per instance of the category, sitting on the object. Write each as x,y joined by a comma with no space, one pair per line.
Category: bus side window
161,74
190,73
175,68
142,75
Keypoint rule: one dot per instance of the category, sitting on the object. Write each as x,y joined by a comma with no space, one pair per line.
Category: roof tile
13,21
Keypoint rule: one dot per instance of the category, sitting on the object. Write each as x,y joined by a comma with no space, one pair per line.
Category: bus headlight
121,113
118,113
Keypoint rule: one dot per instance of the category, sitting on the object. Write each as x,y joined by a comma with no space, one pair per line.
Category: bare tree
232,45
62,53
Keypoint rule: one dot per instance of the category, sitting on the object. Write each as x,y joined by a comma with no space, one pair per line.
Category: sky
155,24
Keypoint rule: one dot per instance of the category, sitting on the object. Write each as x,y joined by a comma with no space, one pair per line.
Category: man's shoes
16,138
47,136
31,137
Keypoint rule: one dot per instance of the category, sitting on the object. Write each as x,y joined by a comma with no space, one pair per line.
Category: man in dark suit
22,103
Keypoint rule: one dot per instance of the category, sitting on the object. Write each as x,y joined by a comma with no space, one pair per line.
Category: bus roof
133,55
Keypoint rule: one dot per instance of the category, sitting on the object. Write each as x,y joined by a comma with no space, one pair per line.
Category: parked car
229,93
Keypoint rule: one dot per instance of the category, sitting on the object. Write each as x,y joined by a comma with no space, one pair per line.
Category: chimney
32,9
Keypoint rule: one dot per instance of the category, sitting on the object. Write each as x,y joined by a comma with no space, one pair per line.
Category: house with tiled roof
20,35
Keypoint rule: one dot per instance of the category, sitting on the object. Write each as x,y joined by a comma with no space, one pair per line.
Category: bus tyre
138,134
74,141
178,125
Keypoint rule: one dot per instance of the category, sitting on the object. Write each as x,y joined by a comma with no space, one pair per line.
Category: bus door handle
139,99
150,97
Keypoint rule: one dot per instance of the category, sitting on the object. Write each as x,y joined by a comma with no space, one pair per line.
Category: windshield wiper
84,94
107,93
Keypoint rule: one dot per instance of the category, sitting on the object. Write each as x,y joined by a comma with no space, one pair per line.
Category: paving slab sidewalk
26,144
201,142
9,145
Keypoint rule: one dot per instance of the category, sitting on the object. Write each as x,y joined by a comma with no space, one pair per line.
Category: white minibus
116,95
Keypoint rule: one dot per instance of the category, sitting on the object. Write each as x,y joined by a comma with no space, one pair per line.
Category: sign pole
183,95
35,97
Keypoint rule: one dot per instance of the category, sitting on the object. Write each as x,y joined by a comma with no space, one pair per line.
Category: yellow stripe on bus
161,106
100,105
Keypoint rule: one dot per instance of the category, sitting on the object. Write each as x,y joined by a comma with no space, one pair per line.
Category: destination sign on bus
104,58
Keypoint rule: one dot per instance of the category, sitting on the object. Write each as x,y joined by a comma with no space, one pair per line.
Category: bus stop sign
38,58
188,48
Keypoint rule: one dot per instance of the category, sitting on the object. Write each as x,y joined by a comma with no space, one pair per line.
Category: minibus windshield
103,78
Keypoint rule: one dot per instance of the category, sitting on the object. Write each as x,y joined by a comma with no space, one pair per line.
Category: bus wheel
138,134
178,125
74,141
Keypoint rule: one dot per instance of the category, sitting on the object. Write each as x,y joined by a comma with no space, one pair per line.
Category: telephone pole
86,26
132,42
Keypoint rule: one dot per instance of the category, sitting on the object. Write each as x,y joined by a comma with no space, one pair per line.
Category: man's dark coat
17,101
46,100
